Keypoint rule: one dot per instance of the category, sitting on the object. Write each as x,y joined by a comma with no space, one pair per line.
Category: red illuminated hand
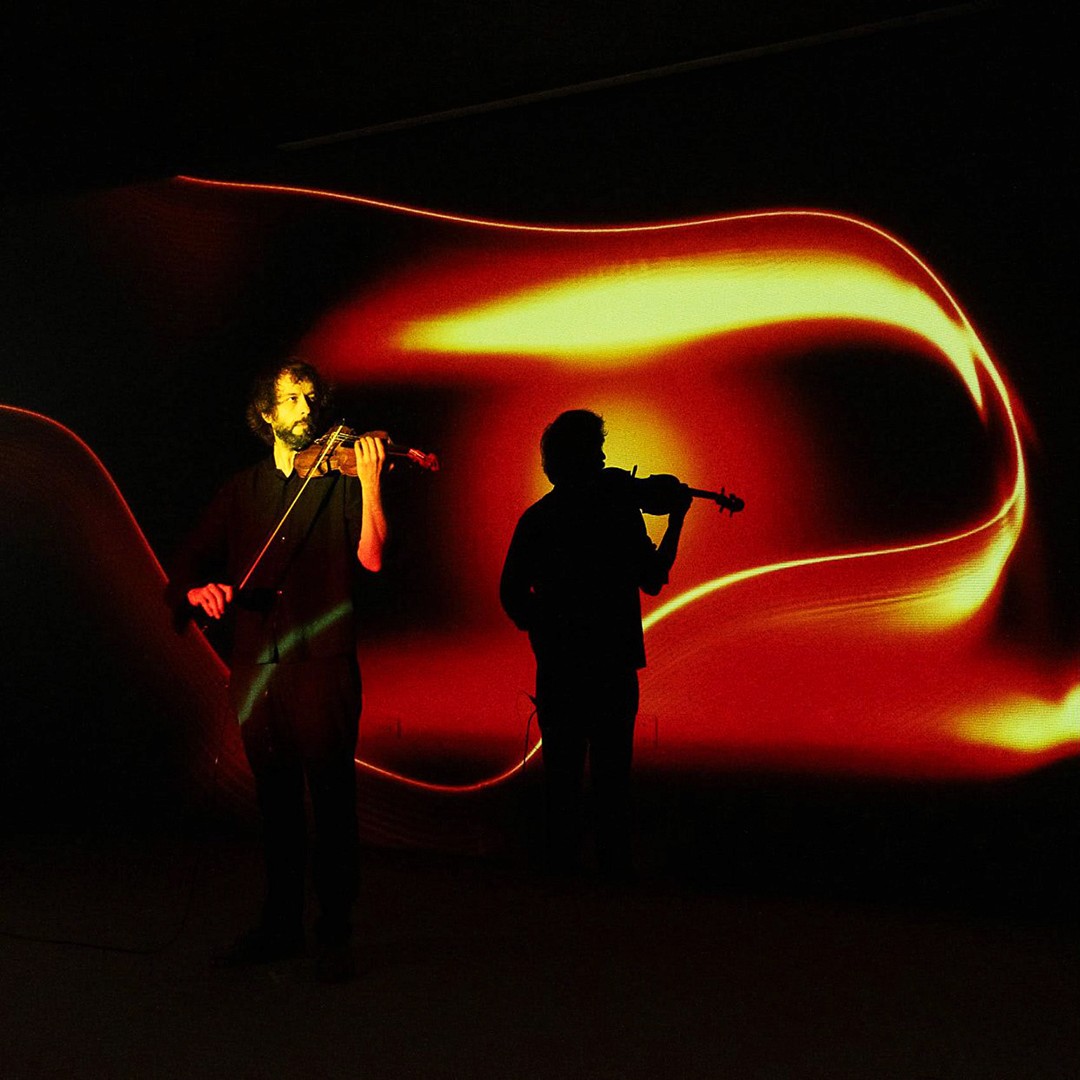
212,598
370,453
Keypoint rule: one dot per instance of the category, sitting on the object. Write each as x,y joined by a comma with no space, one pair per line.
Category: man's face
588,461
295,412
599,458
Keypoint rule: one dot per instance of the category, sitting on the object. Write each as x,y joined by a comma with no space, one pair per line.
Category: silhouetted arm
656,576
515,584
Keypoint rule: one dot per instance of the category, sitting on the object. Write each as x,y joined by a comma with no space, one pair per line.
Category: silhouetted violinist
577,563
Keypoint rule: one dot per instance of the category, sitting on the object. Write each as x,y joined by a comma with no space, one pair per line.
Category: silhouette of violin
725,500
660,493
333,451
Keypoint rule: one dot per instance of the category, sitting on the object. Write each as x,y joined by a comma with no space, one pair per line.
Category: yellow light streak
630,314
945,600
626,313
1026,723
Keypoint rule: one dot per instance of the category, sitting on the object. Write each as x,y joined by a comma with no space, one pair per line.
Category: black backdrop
955,134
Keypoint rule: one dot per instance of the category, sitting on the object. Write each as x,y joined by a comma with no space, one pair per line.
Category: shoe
335,962
261,946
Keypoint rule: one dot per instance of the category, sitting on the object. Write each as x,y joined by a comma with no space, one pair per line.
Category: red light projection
825,628
93,637
805,659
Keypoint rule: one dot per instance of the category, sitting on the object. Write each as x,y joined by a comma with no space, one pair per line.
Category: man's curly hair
571,438
263,395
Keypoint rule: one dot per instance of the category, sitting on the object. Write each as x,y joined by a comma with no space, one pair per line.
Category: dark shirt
300,602
572,575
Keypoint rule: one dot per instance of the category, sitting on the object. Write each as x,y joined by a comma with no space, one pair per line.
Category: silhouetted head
572,446
286,399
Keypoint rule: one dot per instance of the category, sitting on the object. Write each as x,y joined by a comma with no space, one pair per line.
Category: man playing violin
294,676
577,562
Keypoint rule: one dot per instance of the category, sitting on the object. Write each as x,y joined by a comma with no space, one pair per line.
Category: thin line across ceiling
681,67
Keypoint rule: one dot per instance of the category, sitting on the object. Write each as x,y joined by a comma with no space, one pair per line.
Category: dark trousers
587,713
300,723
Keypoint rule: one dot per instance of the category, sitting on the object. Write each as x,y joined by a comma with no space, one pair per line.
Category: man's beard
297,436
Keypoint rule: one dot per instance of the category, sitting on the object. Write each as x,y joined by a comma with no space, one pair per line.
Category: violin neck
730,502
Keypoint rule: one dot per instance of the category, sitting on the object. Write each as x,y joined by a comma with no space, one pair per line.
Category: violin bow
296,498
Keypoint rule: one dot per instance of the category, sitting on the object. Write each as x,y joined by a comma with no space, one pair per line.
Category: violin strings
334,440
342,436
273,532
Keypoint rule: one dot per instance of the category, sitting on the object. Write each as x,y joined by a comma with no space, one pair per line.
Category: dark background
786,926
953,128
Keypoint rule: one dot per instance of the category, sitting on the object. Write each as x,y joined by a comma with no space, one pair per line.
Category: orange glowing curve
500,324
453,789
84,448
947,597
60,431
208,654
490,223
66,432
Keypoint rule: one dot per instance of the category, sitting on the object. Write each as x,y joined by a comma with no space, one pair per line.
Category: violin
659,493
333,452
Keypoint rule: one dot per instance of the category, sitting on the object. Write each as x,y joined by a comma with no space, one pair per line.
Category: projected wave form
873,645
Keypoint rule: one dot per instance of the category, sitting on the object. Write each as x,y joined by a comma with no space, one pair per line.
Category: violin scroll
726,500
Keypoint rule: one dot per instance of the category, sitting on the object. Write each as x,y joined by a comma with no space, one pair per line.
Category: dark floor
757,945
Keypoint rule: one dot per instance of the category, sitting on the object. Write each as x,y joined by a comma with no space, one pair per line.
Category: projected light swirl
619,315
606,317
520,310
